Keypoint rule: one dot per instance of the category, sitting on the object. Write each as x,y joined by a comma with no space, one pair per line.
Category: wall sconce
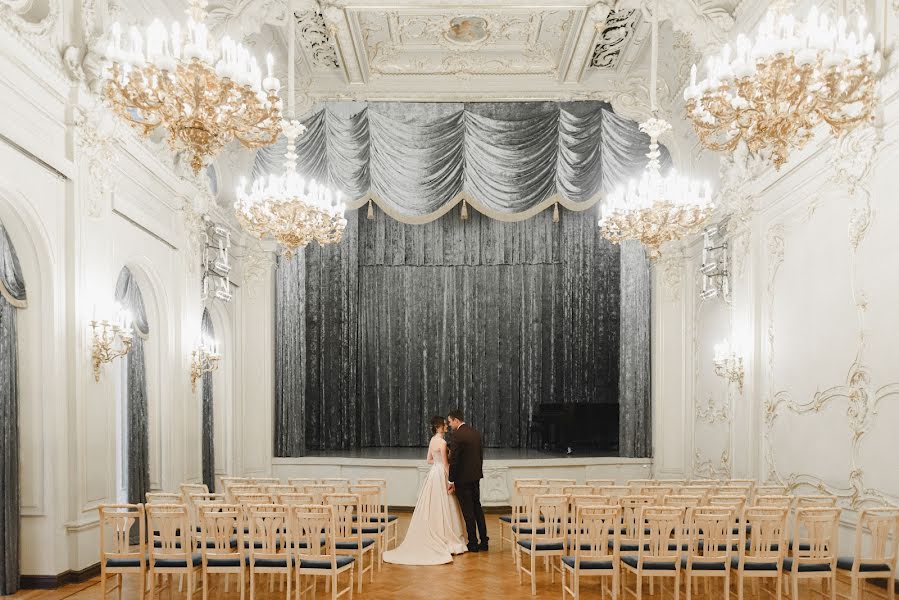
728,364
110,340
203,360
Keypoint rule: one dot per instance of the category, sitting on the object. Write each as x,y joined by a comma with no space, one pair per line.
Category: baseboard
49,582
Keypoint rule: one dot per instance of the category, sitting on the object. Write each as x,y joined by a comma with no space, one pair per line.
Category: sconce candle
110,340
205,359
728,365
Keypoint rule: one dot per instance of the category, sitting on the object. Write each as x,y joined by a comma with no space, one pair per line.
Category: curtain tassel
555,212
464,210
371,211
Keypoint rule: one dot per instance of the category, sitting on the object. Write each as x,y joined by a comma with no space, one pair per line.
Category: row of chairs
590,536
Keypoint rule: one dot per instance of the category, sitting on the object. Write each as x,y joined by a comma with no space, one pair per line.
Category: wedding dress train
435,532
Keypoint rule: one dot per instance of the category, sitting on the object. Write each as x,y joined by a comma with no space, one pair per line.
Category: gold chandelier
288,209
773,92
656,209
202,96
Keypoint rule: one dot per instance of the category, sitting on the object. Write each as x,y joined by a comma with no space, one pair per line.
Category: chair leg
639,583
253,585
241,579
206,584
361,574
740,587
794,586
533,573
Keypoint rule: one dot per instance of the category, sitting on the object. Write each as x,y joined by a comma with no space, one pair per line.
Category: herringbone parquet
483,576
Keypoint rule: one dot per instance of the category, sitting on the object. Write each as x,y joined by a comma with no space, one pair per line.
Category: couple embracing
452,486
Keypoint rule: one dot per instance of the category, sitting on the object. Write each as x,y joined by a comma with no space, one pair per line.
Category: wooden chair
233,491
267,525
307,526
772,490
221,530
658,548
348,539
813,554
172,550
294,499
672,483
599,483
163,498
522,514
698,490
301,482
193,503
614,492
819,501
578,501
390,521
577,490
773,500
596,549
734,490
369,515
265,481
508,522
658,492
557,485
319,491
638,484
763,553
187,489
341,485
275,490
547,541
877,559
119,557
738,503
682,501
710,546
631,527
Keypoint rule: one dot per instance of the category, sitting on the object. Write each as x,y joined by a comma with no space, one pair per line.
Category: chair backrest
698,490
307,526
734,490
595,527
557,485
187,489
706,481
295,499
267,524
772,490
233,491
346,507
882,527
821,501
194,501
369,502
551,510
711,535
219,523
163,498
735,502
614,492
682,500
262,481
638,484
523,503
817,536
773,500
768,541
170,528
116,521
382,488
520,482
658,492
599,483
748,484
577,490
579,501
319,491
630,515
275,490
661,534
249,499
300,483
340,484
672,483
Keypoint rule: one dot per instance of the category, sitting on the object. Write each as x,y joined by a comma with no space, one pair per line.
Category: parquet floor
482,576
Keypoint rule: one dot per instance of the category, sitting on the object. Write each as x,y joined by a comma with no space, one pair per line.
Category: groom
466,471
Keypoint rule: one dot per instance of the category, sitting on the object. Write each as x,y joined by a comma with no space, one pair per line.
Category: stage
404,468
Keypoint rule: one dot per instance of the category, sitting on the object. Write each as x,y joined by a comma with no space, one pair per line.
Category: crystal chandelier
656,209
771,94
287,208
203,96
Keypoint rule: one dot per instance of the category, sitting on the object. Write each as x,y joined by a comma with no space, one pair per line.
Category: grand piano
558,427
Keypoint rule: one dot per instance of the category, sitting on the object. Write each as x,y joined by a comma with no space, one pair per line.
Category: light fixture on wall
728,364
715,274
110,339
655,209
204,359
204,95
773,92
216,263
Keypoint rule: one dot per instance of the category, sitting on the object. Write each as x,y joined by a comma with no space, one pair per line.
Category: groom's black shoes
473,548
483,546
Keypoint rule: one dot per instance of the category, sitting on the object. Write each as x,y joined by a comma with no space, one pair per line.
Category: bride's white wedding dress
435,532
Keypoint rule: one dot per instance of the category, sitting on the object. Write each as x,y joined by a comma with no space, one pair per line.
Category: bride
435,532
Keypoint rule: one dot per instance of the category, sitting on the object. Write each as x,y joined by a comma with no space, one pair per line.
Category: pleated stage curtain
208,434
12,298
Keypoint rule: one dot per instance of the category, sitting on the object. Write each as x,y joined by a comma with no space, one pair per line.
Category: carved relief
256,263
494,487
671,268
711,412
312,33
614,38
94,136
704,467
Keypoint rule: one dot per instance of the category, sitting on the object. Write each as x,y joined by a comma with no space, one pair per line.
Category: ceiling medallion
204,95
467,30
771,93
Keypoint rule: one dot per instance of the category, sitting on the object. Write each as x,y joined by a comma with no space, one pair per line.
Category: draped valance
127,293
509,160
12,283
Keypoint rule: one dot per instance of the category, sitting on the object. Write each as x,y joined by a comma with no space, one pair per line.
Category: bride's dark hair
437,423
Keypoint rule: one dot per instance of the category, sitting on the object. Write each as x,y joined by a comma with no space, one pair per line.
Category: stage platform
405,468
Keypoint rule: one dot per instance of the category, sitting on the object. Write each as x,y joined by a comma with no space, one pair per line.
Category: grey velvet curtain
509,160
12,297
635,411
137,439
399,322
208,435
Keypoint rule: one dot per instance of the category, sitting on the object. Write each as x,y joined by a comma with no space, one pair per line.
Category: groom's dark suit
466,471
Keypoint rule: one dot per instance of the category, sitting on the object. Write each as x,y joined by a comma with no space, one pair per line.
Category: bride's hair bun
437,423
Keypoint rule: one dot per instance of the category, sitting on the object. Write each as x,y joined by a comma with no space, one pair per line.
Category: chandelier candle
204,96
771,93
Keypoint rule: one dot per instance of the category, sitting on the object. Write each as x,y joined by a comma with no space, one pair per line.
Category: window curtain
137,441
635,410
208,442
12,298
508,160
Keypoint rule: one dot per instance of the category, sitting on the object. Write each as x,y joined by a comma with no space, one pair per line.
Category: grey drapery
12,296
208,442
634,411
509,160
399,322
137,439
